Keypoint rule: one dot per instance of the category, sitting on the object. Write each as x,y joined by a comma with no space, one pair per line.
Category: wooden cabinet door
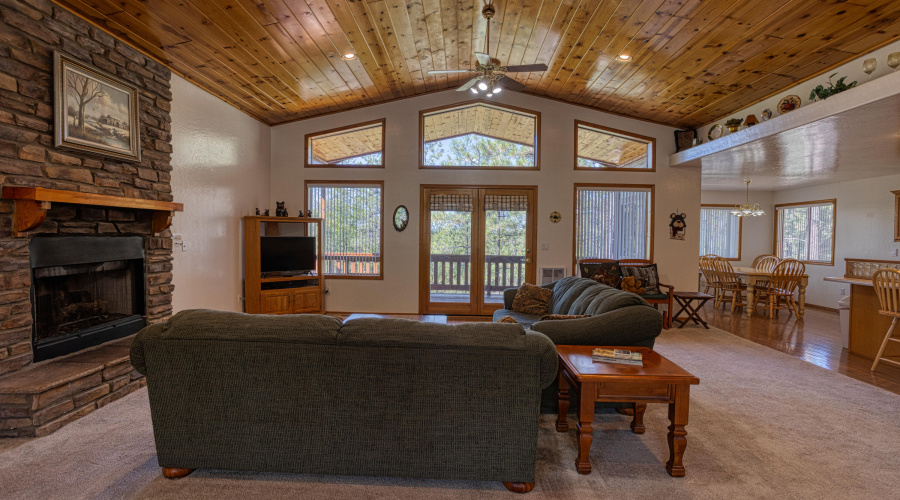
306,300
275,302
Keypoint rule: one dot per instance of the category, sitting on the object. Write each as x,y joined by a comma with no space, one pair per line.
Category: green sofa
617,318
373,396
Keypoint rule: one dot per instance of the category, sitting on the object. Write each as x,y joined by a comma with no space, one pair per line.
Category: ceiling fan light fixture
496,89
349,56
489,94
474,90
482,86
624,57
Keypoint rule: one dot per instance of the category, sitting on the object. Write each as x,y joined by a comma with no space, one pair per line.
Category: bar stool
887,287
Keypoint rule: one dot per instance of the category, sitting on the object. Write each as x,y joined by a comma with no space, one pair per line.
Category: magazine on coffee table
622,356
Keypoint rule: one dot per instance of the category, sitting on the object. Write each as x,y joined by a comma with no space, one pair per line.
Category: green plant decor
822,92
734,122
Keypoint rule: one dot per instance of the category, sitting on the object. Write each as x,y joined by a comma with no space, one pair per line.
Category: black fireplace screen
85,291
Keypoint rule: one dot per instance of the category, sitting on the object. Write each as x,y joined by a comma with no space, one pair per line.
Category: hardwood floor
816,339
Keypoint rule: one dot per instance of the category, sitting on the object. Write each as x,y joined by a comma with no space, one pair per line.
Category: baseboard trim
822,308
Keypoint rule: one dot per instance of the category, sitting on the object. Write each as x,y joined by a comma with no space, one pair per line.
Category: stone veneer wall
30,30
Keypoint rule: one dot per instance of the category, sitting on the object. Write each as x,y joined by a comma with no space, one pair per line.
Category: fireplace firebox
85,290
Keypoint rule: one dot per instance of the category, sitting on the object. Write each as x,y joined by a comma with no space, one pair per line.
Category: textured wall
676,189
221,172
29,33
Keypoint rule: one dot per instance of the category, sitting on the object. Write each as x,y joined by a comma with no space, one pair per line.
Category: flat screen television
287,254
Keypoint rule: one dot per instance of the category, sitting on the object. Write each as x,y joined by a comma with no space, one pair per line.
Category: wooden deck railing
451,273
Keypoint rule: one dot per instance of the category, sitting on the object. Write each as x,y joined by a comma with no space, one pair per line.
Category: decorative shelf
32,203
851,135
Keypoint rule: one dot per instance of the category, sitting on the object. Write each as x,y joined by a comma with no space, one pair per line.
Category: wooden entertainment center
280,294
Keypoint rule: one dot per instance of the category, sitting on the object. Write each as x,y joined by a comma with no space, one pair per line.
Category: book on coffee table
617,356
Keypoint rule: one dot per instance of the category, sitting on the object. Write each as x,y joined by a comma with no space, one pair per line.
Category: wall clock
401,218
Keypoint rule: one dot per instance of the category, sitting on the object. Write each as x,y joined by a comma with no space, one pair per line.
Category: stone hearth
38,398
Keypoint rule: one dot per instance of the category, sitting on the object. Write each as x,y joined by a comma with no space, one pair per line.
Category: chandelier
747,209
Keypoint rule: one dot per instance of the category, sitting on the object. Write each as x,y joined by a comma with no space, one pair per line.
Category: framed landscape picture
96,112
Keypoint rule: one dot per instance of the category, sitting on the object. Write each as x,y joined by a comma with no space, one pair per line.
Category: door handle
528,260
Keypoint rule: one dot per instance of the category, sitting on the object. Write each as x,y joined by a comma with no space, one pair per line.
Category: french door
475,242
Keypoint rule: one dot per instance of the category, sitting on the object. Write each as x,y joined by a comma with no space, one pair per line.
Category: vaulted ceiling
693,61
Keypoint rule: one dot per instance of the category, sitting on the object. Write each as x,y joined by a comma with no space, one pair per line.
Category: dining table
750,275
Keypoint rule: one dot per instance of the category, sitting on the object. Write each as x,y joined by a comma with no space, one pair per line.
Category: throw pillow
630,284
548,317
648,276
506,319
607,273
532,299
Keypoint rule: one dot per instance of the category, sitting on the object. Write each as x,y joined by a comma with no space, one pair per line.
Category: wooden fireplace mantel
32,203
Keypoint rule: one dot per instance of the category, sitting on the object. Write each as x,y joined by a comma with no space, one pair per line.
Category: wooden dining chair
782,284
709,277
759,258
765,263
729,283
887,287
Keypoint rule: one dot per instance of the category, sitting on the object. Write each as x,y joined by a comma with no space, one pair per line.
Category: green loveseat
617,318
377,397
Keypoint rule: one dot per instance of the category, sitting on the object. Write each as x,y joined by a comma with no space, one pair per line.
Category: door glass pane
451,247
504,244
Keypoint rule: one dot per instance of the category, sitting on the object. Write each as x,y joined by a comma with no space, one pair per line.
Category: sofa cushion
206,324
567,291
605,273
647,274
532,299
385,332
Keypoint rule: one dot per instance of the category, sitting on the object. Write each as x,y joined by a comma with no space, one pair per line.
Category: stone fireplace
57,303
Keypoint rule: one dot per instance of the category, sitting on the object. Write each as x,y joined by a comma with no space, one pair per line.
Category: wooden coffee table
657,381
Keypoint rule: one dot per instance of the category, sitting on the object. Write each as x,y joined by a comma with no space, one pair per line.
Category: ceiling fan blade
468,85
439,71
526,68
511,84
483,59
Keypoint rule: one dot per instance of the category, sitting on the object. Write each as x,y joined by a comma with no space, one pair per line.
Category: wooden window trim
628,135
775,239
740,225
537,136
379,183
651,187
896,215
309,137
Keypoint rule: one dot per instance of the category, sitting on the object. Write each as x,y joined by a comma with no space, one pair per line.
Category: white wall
756,232
676,189
864,228
220,172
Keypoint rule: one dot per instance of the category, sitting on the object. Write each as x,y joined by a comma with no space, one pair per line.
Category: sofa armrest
549,357
637,325
137,346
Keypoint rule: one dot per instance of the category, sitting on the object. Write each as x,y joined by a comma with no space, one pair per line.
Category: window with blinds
613,222
720,232
351,232
805,231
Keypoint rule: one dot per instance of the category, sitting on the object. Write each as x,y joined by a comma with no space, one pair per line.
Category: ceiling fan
490,77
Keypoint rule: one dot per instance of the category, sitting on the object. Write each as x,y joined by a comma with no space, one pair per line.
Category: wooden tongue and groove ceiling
693,61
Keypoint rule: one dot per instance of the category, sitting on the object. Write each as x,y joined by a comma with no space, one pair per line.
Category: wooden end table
686,300
657,381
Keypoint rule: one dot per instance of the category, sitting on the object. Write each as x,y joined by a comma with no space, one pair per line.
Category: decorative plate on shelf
715,132
766,114
788,104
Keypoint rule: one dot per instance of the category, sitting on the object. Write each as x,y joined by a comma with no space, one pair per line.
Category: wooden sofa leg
519,487
175,472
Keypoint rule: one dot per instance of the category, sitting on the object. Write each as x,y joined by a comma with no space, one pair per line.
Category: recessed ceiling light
624,57
349,56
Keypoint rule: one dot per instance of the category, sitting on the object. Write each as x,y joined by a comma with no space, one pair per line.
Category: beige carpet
763,425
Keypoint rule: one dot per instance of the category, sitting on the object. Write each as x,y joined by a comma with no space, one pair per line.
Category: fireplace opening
86,290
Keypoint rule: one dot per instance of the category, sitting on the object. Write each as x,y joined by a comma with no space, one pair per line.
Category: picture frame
94,112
